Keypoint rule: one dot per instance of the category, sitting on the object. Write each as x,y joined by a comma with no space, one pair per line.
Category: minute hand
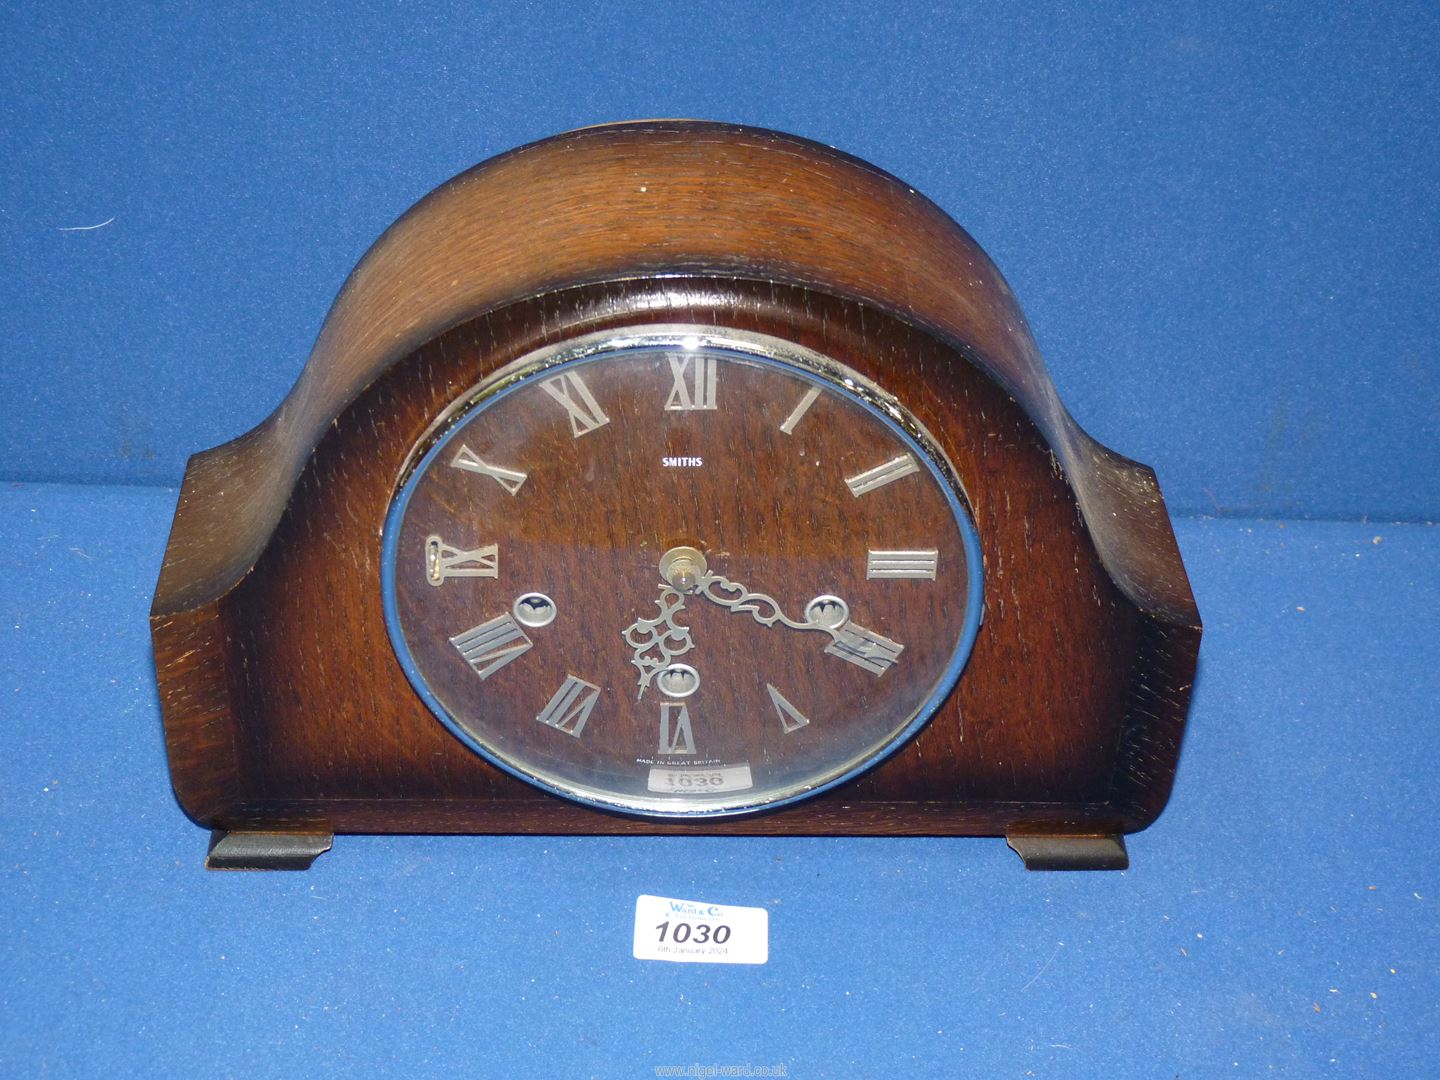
685,570
764,609
848,640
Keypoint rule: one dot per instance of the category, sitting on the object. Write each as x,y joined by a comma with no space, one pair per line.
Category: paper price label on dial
694,932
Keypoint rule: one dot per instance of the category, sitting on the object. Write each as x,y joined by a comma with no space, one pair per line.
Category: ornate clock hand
645,636
823,613
687,571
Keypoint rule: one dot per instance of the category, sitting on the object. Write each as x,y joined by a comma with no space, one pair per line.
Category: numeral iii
901,564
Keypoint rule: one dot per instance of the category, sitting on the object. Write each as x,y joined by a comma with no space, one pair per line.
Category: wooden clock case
287,716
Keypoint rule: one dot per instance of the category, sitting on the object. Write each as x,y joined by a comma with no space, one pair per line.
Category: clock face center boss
680,571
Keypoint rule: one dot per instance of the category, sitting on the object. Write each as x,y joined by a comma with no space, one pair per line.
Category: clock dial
680,571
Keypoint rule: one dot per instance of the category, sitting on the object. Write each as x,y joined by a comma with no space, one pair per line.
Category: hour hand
656,642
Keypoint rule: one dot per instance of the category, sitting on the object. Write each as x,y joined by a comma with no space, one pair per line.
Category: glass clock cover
680,571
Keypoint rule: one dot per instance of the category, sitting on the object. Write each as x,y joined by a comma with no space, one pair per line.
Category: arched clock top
631,200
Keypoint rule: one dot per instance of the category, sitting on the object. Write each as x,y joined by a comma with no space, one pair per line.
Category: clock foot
1105,852
265,851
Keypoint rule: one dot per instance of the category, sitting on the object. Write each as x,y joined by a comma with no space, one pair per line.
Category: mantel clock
673,477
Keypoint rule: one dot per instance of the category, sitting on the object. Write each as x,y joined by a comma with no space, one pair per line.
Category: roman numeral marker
798,413
444,561
491,645
881,475
678,739
571,706
467,459
693,387
791,718
583,410
865,648
901,564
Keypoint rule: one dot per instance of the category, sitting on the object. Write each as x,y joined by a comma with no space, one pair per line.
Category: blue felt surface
1280,918
1224,213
